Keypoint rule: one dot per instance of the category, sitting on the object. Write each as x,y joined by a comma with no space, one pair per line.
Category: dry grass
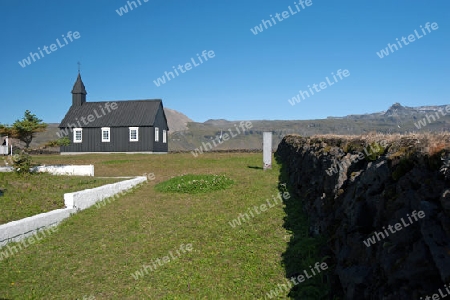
425,143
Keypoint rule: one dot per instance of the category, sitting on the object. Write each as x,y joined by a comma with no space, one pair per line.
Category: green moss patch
192,184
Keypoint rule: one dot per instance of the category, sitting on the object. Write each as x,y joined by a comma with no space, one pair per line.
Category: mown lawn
31,194
95,252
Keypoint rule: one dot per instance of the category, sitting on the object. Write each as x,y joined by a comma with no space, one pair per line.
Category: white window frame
106,129
156,134
164,136
75,131
137,134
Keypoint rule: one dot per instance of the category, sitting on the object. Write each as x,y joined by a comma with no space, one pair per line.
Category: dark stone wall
376,183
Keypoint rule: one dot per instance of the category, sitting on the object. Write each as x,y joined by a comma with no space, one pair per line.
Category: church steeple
78,92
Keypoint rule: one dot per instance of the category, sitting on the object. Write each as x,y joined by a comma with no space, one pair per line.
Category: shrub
352,146
64,141
375,150
21,162
327,149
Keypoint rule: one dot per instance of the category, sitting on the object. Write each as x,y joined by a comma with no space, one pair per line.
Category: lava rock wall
353,188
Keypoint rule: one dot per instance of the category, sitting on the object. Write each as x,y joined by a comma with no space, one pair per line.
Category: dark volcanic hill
399,111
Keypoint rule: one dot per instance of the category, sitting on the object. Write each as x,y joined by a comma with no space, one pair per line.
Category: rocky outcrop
353,189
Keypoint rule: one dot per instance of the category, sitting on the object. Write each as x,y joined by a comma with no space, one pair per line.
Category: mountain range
187,135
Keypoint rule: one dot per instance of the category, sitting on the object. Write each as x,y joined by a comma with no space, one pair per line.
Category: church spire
78,92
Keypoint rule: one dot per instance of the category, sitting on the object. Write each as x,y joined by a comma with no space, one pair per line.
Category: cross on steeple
79,67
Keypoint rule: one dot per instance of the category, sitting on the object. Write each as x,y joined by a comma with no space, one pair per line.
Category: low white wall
84,199
6,169
86,170
81,170
17,230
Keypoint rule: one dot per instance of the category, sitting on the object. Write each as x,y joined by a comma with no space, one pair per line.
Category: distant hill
48,135
188,135
396,119
397,110
176,120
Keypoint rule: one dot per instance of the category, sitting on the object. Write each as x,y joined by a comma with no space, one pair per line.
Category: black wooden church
135,126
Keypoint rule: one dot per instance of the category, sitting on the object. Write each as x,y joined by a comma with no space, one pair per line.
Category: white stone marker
267,150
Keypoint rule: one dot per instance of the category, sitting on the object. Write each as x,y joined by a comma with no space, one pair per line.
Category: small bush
352,146
375,150
192,184
64,141
21,162
327,149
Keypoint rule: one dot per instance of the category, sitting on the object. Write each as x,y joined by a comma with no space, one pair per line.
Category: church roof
126,114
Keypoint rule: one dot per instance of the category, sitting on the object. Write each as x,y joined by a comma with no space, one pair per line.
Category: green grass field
31,194
100,252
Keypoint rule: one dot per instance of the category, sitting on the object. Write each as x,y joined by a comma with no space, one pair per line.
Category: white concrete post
267,150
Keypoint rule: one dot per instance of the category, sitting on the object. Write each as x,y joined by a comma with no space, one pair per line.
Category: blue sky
251,77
